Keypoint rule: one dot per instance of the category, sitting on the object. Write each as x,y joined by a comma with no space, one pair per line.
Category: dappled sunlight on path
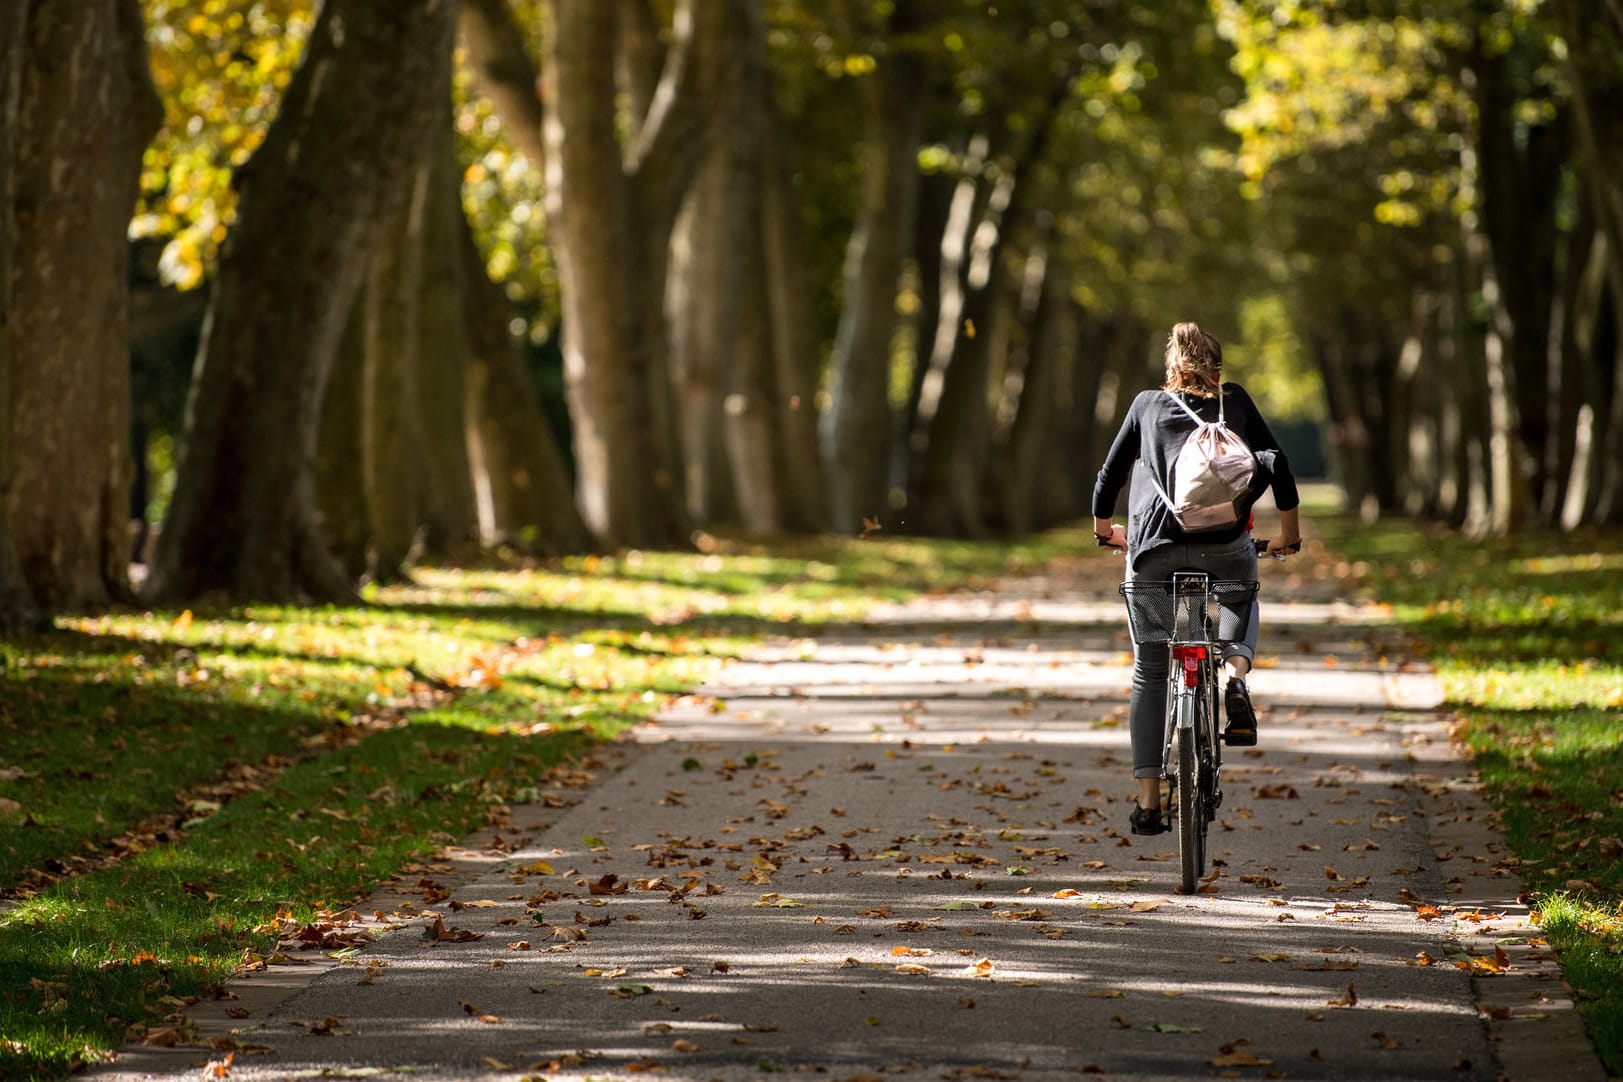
906,852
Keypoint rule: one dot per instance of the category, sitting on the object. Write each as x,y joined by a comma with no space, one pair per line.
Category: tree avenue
564,274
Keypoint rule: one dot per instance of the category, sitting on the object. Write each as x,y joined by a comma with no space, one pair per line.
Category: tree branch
640,59
662,159
505,73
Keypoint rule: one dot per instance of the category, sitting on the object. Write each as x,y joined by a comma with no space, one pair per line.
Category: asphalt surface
902,852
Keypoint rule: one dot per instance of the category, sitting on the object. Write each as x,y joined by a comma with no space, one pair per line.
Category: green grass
1526,634
182,778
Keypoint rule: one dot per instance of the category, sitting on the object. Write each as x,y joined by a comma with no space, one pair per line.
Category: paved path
905,855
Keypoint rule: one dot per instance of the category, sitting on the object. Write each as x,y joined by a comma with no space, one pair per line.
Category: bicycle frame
1191,754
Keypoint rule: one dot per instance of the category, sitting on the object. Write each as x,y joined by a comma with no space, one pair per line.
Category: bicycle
1194,616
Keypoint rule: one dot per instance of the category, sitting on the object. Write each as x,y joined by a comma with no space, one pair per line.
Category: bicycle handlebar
1262,547
1260,542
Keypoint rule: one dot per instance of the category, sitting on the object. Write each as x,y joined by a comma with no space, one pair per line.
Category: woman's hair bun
1194,360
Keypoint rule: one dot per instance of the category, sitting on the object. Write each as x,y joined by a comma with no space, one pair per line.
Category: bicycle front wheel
1191,812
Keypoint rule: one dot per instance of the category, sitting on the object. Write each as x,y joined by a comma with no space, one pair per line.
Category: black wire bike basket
1195,609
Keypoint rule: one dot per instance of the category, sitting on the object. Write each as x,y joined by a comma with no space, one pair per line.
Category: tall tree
81,108
315,201
856,429
530,498
613,193
1594,48
16,606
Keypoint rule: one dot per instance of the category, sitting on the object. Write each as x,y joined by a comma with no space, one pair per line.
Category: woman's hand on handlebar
1109,535
1276,549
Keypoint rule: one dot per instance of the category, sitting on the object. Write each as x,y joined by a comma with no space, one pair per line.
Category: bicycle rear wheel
1191,812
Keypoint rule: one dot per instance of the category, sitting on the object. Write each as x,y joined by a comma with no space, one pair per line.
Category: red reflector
1187,653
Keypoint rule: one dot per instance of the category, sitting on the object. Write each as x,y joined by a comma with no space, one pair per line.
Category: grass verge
172,784
1524,633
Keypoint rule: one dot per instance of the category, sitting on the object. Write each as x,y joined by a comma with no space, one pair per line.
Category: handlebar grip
1262,545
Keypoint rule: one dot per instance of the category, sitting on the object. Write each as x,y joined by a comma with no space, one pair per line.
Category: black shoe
1148,821
1242,728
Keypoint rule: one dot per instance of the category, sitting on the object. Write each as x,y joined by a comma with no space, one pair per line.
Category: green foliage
1272,363
220,67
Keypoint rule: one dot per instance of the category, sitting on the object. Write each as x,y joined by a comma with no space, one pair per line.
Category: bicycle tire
1210,746
1191,812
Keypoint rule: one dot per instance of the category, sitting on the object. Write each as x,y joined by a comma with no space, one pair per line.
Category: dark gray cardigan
1150,438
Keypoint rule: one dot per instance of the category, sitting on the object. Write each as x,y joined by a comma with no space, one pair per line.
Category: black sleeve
1286,497
1118,463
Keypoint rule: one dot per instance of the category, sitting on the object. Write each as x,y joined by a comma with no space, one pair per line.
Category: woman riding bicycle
1156,426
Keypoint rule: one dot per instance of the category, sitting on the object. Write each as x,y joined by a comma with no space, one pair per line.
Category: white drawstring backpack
1210,472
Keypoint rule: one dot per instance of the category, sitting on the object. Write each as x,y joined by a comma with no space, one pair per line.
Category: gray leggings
1147,718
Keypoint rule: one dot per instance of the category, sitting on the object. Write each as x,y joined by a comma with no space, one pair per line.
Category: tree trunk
315,201
793,327
1594,42
855,430
450,515
16,604
954,473
1520,168
610,211
75,159
494,51
394,453
340,454
704,308
1036,413
749,416
532,503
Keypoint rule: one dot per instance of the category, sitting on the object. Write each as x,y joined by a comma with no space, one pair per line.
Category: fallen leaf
982,968
219,1068
1235,1054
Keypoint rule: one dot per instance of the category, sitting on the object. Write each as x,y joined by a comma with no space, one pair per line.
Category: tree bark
855,431
74,165
610,210
532,502
1594,45
704,307
16,604
340,454
748,415
1036,409
494,50
793,327
450,515
315,201
394,454
1520,175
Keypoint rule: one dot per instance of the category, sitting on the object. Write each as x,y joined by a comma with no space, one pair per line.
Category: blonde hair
1194,361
